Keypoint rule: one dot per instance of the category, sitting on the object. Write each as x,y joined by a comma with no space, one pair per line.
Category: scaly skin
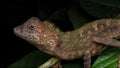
72,44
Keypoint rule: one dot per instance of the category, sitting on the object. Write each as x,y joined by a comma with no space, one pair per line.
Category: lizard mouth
18,32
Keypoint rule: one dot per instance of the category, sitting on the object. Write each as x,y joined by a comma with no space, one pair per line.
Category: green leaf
32,60
115,3
108,59
78,17
99,10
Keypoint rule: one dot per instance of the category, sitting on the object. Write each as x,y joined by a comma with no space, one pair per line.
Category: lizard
84,42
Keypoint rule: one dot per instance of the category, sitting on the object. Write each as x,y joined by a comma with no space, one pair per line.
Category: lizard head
39,34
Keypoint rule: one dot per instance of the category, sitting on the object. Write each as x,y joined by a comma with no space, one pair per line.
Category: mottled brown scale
107,28
69,45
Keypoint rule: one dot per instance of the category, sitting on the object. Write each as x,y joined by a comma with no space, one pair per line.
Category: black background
13,13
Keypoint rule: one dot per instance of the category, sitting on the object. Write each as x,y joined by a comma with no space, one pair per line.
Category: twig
49,63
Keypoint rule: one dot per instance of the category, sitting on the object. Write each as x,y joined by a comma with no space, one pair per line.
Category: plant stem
49,63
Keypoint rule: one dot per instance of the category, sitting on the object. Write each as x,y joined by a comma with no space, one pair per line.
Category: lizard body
68,45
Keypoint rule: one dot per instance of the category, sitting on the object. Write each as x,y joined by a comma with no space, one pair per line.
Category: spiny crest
51,26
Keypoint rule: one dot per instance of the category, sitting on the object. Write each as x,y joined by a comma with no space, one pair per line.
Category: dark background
14,13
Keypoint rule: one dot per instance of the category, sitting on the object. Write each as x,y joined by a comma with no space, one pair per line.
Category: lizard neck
69,47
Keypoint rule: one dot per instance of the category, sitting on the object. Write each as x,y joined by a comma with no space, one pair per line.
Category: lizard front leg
87,59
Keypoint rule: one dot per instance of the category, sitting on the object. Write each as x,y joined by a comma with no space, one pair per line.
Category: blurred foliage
77,13
99,10
32,60
108,59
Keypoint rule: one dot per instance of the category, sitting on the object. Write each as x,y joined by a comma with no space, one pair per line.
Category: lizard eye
31,27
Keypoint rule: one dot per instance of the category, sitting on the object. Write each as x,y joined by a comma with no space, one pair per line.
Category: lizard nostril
15,29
